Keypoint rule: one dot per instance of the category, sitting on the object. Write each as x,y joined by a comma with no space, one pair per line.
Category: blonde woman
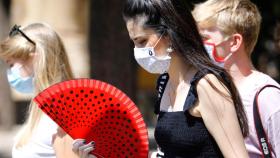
37,59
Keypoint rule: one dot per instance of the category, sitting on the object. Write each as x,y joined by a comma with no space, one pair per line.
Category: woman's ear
32,54
236,42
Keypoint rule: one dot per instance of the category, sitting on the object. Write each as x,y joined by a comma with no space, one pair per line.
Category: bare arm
62,144
220,118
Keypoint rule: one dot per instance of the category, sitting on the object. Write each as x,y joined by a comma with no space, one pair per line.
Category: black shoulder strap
262,137
161,84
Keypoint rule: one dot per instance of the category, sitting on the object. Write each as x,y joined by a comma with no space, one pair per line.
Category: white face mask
212,52
148,60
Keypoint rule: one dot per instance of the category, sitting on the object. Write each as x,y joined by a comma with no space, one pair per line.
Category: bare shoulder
211,84
219,115
212,93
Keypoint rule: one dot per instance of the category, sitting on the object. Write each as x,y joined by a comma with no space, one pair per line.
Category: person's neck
179,71
239,67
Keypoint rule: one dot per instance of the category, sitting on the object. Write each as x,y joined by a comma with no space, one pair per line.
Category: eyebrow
138,36
135,38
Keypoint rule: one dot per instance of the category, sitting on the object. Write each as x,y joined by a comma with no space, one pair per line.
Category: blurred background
98,46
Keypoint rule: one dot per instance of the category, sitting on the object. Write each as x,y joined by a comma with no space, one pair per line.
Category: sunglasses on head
16,30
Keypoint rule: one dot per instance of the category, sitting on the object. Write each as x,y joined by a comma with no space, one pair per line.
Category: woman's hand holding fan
82,149
96,111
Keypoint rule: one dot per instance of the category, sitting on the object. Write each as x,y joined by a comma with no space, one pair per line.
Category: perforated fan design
97,111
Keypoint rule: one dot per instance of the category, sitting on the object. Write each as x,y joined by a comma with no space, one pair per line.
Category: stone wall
7,118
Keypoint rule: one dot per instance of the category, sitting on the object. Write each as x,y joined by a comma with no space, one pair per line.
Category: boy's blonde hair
231,16
50,66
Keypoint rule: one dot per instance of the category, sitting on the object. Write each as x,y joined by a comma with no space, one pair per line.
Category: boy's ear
236,42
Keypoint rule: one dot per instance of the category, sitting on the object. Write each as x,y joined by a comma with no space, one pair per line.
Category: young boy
230,29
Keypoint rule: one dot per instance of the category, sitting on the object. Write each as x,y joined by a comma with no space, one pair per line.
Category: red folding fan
99,112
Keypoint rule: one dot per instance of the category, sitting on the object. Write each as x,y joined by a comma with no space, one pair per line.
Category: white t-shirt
40,145
269,106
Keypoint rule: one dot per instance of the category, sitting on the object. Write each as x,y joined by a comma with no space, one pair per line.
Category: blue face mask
20,84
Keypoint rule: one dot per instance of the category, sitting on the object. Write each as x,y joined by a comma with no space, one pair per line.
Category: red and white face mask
212,52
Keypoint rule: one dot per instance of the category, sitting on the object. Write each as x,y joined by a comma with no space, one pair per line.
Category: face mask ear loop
228,56
158,40
225,39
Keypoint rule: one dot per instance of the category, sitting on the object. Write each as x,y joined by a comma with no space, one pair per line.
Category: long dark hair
174,18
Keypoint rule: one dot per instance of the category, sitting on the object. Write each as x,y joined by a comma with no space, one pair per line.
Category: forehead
136,27
211,31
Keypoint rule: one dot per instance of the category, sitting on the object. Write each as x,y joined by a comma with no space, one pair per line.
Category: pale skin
239,65
65,146
26,66
218,114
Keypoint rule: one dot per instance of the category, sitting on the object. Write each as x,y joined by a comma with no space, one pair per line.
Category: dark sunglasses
15,30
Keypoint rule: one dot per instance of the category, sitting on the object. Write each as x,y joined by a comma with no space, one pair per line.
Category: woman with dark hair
199,110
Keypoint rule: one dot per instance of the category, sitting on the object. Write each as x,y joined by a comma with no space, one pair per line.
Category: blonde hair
231,16
50,66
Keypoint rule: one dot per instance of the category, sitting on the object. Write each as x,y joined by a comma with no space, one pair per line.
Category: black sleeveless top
179,134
